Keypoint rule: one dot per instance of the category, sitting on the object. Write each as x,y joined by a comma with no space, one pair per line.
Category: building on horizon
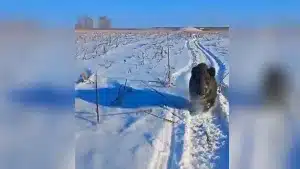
104,23
84,22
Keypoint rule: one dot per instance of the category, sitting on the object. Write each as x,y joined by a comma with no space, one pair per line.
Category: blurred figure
264,98
37,98
275,85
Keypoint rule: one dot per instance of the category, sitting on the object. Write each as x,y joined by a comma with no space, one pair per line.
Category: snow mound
190,29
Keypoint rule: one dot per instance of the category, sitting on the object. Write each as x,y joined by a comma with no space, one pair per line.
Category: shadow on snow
120,96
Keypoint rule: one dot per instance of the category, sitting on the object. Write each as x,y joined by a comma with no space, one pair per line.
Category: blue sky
145,13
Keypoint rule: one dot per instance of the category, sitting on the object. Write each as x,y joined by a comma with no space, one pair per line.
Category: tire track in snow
186,147
220,69
180,150
214,61
161,153
186,160
200,137
215,132
177,147
166,158
189,159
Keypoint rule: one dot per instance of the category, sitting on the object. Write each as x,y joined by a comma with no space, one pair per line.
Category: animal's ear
212,71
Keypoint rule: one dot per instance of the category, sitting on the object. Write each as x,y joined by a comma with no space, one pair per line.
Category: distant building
84,22
104,23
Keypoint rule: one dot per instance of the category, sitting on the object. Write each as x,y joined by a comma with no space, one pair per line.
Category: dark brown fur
203,84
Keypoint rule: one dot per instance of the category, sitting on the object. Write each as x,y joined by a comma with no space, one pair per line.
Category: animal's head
199,70
201,76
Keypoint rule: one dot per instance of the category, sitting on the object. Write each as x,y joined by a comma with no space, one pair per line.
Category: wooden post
97,106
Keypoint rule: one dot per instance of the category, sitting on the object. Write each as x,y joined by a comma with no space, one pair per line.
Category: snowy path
221,75
172,155
196,139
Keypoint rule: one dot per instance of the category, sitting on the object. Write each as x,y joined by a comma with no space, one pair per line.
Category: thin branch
139,111
165,119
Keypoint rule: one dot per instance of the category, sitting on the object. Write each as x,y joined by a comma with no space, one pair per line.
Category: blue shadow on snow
131,98
42,95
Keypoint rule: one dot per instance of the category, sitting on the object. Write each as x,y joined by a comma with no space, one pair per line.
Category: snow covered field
145,124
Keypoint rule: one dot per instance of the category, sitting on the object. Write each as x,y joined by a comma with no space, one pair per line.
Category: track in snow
196,139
